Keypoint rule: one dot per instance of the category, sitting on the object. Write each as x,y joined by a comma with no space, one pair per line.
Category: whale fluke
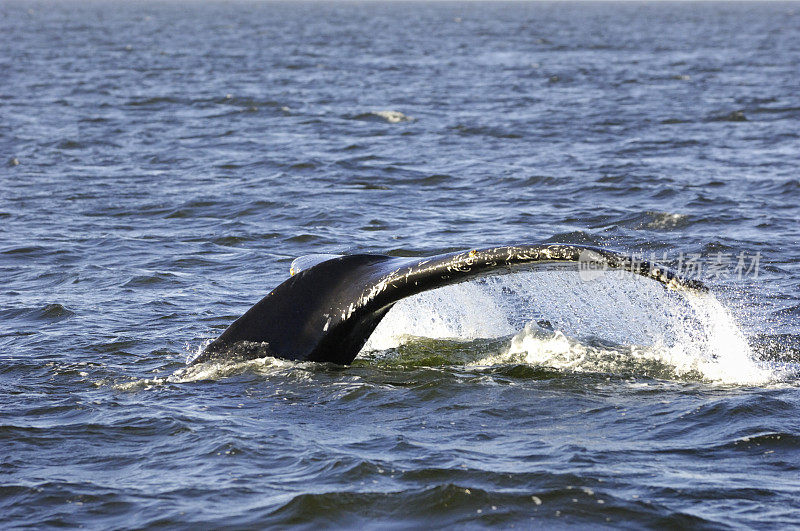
326,312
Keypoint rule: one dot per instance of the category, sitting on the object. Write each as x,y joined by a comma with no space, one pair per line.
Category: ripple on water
51,312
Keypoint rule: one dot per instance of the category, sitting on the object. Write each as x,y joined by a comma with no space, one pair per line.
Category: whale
330,305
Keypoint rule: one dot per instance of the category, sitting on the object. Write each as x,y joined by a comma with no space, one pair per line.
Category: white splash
218,370
616,323
393,117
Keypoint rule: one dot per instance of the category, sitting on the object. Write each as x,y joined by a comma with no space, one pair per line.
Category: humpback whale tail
330,305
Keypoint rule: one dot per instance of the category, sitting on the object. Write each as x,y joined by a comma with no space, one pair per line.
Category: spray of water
616,322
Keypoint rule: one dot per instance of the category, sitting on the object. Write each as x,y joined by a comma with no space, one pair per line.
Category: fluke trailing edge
327,312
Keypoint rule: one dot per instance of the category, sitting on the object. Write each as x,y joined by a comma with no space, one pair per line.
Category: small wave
235,241
775,110
303,238
439,505
659,220
472,497
652,220
665,220
733,116
249,103
218,370
392,117
55,311
49,312
143,281
481,130
767,440
154,101
212,371
32,250
71,144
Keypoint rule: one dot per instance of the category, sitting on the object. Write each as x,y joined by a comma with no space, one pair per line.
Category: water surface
163,163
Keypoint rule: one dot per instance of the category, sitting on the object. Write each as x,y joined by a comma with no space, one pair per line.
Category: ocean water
162,163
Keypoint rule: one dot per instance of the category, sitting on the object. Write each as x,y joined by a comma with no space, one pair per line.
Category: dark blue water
163,163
